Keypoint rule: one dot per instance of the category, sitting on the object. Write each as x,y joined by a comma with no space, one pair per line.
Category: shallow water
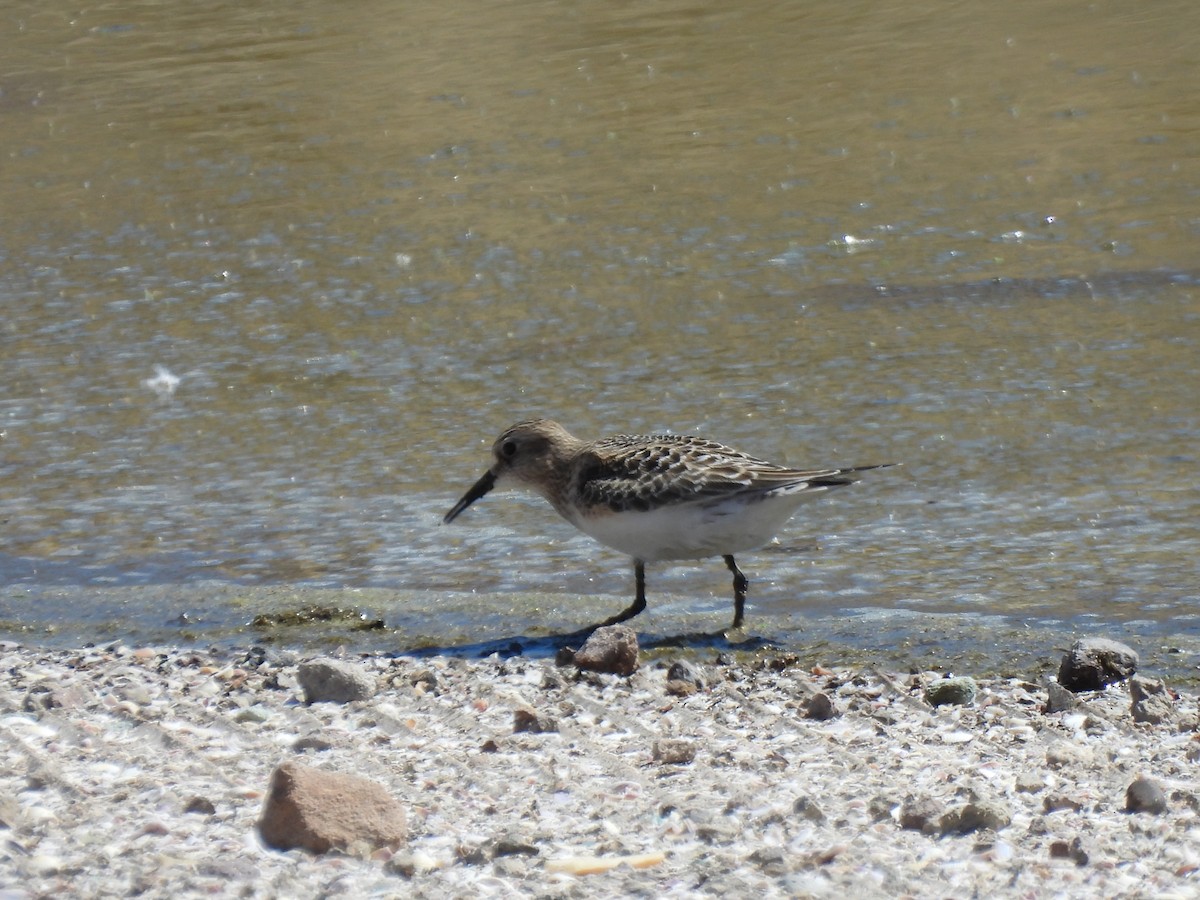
366,240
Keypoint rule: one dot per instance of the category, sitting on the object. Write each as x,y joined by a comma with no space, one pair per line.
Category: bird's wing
639,473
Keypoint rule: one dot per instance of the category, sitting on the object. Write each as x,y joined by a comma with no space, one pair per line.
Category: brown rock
200,805
1072,850
319,811
819,707
613,648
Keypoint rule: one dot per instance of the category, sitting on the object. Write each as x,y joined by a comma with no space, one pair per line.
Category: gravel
145,770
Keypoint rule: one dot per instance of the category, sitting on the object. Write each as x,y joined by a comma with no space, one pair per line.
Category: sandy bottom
143,771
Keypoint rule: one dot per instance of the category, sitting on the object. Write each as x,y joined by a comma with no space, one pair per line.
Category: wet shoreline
536,625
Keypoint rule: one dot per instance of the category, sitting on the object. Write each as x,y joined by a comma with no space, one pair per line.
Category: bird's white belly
690,530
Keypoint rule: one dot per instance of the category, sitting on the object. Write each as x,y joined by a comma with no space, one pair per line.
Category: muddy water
366,239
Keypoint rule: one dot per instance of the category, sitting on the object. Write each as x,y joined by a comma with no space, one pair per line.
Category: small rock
918,813
1145,795
807,808
1028,783
514,844
313,742
717,832
334,681
685,670
201,806
681,688
683,679
253,715
823,857
1072,850
771,860
613,648
976,816
508,844
564,656
1058,698
318,811
533,722
820,707
1093,663
674,751
1054,802
425,681
952,692
1152,702
881,807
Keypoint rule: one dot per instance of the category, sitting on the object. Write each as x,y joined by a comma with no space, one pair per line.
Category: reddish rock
319,811
613,648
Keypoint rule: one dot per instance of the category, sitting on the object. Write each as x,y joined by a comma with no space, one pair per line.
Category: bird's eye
508,449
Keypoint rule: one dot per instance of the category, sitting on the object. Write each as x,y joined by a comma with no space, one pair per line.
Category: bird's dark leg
639,603
739,592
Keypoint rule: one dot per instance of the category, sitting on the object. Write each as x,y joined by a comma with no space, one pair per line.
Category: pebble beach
144,771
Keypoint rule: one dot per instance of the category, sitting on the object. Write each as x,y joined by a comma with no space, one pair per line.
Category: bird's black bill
481,487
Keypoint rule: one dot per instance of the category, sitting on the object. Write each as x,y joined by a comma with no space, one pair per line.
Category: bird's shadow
549,645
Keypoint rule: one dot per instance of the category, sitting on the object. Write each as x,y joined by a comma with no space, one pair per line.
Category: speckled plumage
655,497
641,472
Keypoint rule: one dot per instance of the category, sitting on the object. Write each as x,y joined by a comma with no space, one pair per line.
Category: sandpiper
655,497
